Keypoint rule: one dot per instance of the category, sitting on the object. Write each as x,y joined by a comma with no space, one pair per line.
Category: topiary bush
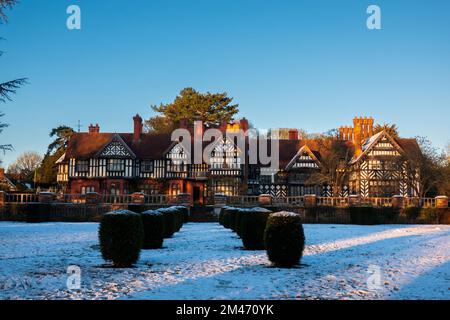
170,221
284,239
153,223
179,217
121,235
184,213
240,213
252,226
228,217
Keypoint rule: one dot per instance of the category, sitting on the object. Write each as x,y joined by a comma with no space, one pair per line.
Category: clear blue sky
307,64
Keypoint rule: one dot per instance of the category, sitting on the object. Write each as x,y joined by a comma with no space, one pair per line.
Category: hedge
121,235
284,239
252,226
171,221
153,222
228,217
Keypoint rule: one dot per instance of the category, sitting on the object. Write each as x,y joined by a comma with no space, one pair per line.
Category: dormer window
116,165
147,166
82,166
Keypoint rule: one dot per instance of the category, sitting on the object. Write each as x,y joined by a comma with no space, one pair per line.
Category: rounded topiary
184,213
284,239
240,213
153,222
228,217
170,222
121,234
252,227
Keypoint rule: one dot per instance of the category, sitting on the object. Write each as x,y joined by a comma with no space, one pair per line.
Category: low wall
63,212
368,215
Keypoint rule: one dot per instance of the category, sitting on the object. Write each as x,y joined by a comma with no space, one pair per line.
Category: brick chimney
137,128
357,135
293,134
223,126
243,124
2,173
94,129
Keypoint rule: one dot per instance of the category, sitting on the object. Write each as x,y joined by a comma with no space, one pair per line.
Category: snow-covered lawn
206,261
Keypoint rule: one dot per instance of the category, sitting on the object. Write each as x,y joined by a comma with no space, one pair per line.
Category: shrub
252,226
443,215
170,221
409,214
365,215
184,213
228,217
121,235
153,222
284,239
427,215
179,216
240,213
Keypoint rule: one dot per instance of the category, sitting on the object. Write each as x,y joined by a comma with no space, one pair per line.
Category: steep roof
156,145
408,146
87,145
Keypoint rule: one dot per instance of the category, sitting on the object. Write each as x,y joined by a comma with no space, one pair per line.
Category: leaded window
82,166
116,165
147,166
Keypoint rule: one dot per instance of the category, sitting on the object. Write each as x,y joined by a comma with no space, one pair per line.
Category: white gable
116,148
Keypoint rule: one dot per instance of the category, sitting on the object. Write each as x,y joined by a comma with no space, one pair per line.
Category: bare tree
425,168
25,165
335,165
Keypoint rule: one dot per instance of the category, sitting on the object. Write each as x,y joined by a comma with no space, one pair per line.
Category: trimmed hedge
252,226
365,215
228,217
153,222
240,213
284,239
172,220
121,235
184,213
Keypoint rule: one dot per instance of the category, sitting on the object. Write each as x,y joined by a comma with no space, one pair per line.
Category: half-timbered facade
122,163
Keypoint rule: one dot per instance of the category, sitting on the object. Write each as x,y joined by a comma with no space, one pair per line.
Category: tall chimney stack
293,134
243,124
94,129
357,135
137,128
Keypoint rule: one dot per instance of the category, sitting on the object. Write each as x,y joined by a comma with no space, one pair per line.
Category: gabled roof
118,138
405,146
88,145
9,182
303,149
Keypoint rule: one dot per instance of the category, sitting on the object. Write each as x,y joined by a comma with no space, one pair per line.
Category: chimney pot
94,129
137,128
293,134
243,124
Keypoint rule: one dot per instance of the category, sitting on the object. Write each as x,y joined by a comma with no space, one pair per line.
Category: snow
282,214
206,261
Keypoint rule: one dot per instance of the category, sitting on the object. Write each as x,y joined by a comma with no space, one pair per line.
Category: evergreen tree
190,105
